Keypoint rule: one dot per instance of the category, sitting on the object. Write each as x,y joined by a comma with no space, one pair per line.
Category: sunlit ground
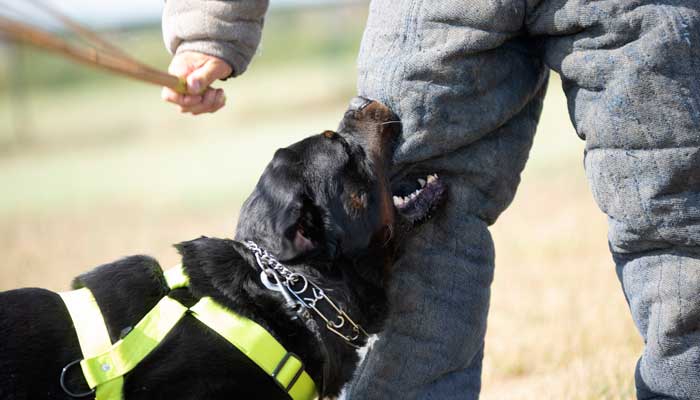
559,327
103,169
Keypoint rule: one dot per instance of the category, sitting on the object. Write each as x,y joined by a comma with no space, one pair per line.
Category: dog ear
301,229
279,215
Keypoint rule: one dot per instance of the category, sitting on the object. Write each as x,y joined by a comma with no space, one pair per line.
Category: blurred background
94,167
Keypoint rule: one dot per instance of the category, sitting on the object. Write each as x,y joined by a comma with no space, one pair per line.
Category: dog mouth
419,204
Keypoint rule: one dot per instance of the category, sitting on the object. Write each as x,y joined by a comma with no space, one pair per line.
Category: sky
115,12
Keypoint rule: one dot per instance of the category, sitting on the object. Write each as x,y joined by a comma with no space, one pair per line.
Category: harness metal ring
63,381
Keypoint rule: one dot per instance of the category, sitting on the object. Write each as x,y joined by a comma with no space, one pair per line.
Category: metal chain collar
302,294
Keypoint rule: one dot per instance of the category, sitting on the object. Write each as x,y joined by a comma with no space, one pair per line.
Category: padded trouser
467,79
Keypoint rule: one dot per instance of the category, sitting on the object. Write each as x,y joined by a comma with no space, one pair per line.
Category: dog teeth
432,178
402,201
421,182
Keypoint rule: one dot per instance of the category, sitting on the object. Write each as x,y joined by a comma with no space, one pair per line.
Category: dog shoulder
125,290
135,274
216,266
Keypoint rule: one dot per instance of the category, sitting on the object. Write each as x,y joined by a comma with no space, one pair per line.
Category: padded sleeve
228,29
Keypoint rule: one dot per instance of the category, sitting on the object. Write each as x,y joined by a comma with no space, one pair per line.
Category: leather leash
97,53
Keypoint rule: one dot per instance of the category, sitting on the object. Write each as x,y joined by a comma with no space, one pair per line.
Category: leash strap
260,346
98,53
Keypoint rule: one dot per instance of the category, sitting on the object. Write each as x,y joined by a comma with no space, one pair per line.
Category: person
467,78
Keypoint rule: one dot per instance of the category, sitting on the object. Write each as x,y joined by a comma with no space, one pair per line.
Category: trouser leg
663,290
432,345
631,71
469,96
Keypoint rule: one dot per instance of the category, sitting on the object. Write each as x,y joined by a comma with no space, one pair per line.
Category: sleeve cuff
223,50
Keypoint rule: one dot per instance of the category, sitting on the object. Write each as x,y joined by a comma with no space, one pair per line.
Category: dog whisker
389,236
391,122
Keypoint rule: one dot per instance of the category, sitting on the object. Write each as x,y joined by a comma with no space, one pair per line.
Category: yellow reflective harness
104,364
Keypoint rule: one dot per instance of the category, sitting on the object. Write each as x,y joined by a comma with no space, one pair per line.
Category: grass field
106,170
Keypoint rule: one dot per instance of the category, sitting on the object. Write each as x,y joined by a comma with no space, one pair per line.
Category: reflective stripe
260,346
92,335
88,322
104,364
130,351
176,278
112,390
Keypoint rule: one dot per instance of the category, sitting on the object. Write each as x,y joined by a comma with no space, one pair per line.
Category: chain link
302,294
265,259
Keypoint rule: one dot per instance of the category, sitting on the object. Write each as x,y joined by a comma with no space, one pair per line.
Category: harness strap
104,364
92,335
176,278
260,346
87,321
128,352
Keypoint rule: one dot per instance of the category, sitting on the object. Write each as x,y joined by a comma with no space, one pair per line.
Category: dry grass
559,326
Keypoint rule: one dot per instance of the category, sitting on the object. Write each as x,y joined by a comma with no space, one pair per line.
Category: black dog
323,206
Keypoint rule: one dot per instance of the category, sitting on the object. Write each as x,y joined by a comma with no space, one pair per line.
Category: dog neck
225,270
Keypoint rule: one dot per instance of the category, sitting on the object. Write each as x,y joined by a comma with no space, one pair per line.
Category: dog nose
371,118
359,103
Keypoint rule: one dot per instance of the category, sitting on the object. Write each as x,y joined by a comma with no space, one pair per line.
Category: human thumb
201,78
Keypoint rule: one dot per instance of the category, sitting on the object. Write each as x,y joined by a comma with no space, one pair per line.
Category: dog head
324,207
328,195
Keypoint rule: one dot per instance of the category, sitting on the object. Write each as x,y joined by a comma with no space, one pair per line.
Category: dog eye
358,200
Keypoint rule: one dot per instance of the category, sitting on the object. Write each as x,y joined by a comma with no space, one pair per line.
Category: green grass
89,138
121,143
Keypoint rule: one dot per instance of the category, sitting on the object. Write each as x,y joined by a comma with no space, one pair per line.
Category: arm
210,40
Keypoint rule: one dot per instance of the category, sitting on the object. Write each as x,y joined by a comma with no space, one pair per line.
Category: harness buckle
63,381
281,365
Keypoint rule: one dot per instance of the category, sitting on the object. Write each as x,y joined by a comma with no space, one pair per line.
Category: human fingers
220,101
200,71
202,77
172,96
212,101
183,64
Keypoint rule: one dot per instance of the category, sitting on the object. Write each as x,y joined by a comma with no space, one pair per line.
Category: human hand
200,71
